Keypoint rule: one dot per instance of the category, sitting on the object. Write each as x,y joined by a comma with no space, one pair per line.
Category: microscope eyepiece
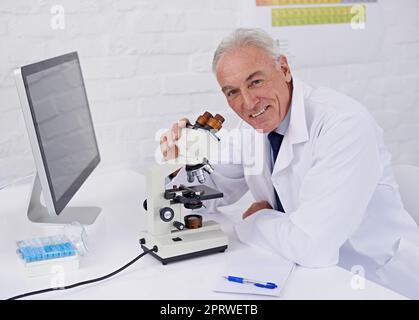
202,120
215,123
209,122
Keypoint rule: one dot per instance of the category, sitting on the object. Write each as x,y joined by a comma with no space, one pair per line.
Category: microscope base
186,244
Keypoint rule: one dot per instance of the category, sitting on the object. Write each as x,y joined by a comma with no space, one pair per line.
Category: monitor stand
39,213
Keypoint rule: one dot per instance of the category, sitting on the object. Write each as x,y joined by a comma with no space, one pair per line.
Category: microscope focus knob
167,214
179,225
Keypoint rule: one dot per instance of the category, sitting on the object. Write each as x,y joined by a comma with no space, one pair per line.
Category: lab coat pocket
401,272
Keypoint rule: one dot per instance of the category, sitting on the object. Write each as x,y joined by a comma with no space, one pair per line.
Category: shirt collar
283,126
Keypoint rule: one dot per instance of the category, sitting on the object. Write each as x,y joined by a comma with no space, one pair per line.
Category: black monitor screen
63,124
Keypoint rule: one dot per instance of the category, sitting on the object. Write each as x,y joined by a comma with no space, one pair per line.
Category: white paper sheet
256,265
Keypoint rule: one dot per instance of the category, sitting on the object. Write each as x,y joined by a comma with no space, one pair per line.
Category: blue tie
276,139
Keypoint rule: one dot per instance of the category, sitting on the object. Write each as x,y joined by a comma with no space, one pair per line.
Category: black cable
87,281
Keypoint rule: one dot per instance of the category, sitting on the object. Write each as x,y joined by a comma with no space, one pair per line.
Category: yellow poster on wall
314,33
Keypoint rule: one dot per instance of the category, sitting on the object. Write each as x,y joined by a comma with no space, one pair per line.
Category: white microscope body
166,228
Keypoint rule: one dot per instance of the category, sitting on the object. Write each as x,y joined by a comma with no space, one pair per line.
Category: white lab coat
334,178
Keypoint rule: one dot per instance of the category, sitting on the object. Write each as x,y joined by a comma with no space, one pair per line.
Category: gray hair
246,38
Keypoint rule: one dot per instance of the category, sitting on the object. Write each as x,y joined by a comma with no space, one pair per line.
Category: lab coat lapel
297,131
258,174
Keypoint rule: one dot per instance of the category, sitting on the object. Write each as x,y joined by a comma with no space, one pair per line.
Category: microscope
176,236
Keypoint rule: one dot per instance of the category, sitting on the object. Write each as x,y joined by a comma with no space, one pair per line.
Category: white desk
114,242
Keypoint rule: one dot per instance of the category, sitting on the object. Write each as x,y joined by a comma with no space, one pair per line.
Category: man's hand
169,138
255,207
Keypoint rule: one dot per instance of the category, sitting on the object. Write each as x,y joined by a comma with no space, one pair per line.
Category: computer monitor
61,133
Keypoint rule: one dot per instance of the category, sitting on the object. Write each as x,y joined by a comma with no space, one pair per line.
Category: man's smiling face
257,87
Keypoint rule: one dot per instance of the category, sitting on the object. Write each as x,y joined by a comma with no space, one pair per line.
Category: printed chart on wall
313,33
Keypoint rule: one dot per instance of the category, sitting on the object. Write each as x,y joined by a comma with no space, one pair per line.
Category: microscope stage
206,193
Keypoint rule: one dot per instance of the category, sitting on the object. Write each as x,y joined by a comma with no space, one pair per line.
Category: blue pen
266,285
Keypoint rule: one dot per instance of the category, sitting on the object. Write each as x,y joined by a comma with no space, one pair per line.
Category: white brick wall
147,63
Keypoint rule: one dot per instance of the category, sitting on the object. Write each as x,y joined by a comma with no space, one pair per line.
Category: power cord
87,281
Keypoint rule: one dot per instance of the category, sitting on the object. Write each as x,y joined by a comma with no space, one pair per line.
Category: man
326,186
